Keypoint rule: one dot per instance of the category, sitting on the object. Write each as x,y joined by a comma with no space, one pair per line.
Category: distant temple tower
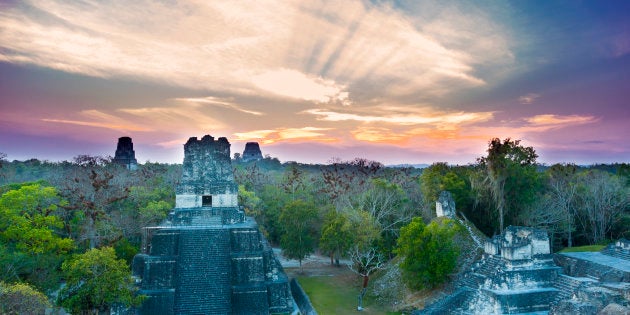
208,258
125,155
252,152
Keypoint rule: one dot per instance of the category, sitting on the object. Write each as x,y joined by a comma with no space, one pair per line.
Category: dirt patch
313,266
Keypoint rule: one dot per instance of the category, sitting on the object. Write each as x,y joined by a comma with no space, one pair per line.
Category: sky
399,82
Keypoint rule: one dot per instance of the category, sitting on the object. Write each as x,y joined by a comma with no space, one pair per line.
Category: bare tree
386,202
364,262
549,214
91,185
603,197
344,180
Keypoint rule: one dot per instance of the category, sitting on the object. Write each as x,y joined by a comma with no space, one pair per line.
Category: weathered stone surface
517,276
207,258
207,177
572,307
599,296
125,155
606,277
596,265
445,205
252,152
614,309
519,243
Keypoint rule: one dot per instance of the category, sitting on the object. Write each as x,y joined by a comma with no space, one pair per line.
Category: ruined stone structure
516,275
252,152
519,243
595,281
445,205
208,258
125,155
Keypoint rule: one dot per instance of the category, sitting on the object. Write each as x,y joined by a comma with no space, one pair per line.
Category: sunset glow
397,82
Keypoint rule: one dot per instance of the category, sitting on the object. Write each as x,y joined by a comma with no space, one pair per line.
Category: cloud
285,134
528,99
123,128
469,138
553,121
219,102
319,51
295,84
100,119
411,118
184,118
376,134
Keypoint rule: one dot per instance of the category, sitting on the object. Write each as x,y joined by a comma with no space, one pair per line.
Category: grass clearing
587,248
338,294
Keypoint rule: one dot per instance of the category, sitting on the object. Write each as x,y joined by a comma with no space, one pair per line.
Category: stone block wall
211,270
159,273
203,272
250,299
301,298
164,243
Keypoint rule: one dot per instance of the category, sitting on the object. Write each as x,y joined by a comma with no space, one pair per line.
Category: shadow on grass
338,294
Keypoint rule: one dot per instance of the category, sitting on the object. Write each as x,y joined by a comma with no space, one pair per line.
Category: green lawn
587,248
337,295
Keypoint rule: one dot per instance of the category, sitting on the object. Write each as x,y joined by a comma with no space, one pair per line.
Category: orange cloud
285,134
378,135
411,118
412,136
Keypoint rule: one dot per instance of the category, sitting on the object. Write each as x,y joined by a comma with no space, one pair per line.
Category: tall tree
429,252
91,185
31,247
298,238
21,298
344,180
293,181
603,198
508,162
95,281
365,258
337,236
562,191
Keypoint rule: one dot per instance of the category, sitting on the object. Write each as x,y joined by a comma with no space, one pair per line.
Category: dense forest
56,218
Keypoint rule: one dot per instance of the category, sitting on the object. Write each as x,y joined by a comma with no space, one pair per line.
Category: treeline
79,223
52,212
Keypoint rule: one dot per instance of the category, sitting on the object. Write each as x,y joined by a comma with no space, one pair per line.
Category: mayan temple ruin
252,152
518,274
208,258
125,155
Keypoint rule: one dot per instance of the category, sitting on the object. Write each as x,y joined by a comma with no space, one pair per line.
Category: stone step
568,286
490,265
204,270
616,252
